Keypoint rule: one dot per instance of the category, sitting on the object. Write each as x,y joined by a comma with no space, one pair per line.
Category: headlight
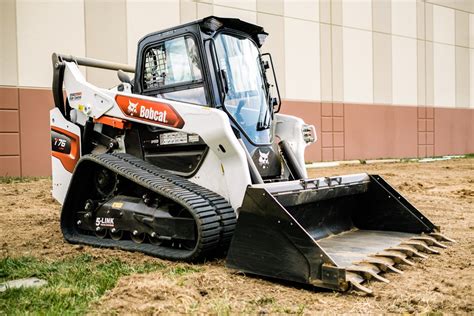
309,133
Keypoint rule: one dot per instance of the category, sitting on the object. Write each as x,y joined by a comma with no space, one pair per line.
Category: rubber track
215,218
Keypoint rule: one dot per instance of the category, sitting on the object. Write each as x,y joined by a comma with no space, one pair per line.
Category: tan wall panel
302,9
270,6
325,11
357,14
9,121
337,64
462,28
8,98
451,131
187,11
204,10
144,17
275,44
382,68
35,131
404,65
444,75
471,30
326,62
443,25
9,144
381,16
404,15
429,21
239,4
463,5
336,12
358,66
105,38
302,60
420,19
462,77
10,166
376,131
421,72
429,73
45,27
8,45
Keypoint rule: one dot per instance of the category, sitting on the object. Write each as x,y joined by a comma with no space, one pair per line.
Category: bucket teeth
372,265
441,237
430,241
409,251
356,281
420,245
383,263
368,271
397,256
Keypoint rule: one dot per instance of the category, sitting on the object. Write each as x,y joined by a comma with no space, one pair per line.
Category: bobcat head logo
132,108
263,159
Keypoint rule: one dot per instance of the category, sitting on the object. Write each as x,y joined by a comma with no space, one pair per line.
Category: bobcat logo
263,159
132,107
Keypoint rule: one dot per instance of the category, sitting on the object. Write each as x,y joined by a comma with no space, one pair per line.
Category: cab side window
172,70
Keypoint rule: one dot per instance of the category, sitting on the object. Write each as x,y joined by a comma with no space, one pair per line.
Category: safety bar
58,75
92,62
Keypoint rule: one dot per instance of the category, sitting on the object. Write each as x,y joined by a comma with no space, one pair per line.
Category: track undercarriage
124,202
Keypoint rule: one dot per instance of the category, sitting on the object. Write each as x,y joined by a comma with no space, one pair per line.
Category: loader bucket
329,232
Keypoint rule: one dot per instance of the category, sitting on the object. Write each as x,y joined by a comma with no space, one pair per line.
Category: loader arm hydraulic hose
289,156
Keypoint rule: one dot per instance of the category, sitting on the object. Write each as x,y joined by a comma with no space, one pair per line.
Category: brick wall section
24,132
9,132
35,105
332,131
426,125
345,131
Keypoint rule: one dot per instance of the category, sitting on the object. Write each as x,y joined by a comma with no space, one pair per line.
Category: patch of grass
10,180
469,155
184,269
72,283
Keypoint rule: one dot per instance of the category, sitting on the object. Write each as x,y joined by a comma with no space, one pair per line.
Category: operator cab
216,62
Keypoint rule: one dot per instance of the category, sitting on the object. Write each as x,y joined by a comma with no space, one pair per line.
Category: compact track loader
191,159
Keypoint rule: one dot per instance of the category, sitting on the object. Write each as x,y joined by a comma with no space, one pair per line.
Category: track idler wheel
116,234
154,239
101,232
137,237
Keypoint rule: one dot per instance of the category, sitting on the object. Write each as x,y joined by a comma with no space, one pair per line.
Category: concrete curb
329,164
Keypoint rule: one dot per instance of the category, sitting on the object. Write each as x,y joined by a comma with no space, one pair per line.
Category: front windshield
246,99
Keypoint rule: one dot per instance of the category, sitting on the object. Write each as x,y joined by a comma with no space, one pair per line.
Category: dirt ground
443,191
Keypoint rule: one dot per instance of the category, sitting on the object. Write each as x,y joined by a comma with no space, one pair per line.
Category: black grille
155,70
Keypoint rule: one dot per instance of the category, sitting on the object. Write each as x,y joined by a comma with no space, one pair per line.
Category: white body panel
290,128
61,176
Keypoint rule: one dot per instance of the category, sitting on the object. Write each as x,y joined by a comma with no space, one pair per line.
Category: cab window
172,70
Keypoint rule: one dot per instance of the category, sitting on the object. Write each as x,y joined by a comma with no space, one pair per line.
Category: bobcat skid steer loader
191,159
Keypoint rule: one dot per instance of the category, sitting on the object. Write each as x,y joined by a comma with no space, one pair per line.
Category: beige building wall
44,27
401,52
341,64
8,44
